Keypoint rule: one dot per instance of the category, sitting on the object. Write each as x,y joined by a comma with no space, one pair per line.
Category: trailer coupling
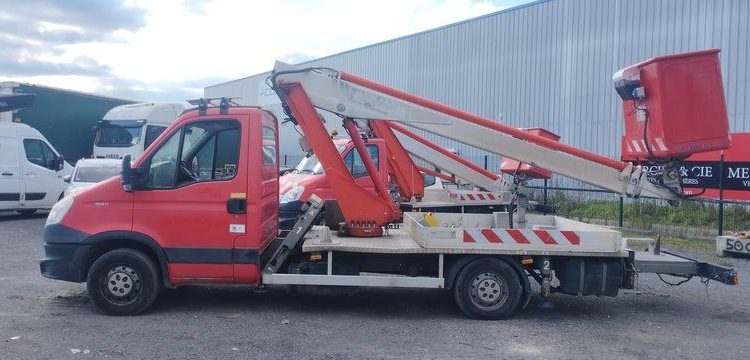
669,263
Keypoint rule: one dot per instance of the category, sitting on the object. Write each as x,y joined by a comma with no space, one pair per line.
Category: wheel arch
455,265
112,240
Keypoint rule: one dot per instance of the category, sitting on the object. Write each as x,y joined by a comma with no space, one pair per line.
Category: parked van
130,129
31,170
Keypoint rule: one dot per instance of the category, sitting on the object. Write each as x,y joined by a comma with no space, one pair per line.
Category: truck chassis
586,259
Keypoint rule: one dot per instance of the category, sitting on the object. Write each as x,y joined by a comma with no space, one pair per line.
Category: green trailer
64,117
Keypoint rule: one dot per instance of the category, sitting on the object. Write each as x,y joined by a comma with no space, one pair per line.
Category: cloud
88,15
171,49
31,67
196,6
166,91
34,35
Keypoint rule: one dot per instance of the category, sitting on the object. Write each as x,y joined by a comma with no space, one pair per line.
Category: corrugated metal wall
549,63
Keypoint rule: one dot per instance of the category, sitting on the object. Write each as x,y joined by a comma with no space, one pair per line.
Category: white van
130,129
31,170
89,172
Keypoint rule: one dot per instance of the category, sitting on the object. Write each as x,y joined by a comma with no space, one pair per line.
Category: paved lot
47,319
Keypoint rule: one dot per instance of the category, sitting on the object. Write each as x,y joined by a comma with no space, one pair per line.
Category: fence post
721,195
486,162
545,192
284,159
622,210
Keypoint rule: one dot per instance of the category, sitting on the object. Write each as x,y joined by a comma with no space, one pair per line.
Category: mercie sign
706,174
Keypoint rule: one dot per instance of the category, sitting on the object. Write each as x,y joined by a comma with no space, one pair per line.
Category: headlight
59,210
293,194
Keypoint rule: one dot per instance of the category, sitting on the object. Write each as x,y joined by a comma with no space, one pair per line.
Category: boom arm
352,97
454,164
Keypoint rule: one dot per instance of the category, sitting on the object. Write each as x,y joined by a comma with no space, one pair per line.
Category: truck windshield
311,165
96,172
119,133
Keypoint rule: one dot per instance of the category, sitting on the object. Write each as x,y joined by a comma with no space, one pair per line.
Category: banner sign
703,171
707,174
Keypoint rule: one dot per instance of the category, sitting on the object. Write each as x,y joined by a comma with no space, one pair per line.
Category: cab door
42,179
269,180
10,172
193,201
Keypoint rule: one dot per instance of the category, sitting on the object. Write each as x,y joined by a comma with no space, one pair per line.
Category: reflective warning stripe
521,236
491,236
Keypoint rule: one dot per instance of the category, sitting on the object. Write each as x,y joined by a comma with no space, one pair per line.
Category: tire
26,212
488,289
123,282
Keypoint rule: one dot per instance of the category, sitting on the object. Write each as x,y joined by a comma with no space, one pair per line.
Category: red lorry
443,192
201,206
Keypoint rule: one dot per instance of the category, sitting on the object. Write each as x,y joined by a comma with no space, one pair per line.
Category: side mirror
94,129
67,178
126,174
59,163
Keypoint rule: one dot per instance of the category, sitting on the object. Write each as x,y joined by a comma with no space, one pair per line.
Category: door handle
236,206
7,174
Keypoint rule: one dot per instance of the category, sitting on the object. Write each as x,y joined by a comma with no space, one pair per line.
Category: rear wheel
488,289
26,212
123,282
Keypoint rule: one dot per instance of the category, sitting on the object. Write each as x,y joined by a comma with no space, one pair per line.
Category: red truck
201,206
441,193
308,178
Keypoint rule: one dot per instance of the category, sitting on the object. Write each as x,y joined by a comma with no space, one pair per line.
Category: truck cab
308,178
197,207
130,129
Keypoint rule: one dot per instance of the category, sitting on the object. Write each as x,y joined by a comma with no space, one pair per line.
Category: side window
38,153
428,180
207,151
355,164
269,146
227,156
152,132
163,164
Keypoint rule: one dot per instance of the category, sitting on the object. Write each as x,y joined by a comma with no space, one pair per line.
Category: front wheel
488,289
123,282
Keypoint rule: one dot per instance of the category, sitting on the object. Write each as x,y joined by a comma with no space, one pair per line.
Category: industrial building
544,64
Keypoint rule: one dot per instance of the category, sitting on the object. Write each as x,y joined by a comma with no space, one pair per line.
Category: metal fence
692,218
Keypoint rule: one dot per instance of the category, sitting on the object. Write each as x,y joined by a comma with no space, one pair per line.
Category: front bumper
65,254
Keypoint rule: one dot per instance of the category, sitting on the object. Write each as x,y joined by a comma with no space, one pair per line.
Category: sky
169,50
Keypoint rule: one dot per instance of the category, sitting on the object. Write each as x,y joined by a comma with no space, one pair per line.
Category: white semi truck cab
130,129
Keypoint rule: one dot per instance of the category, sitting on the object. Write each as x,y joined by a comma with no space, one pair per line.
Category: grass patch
645,213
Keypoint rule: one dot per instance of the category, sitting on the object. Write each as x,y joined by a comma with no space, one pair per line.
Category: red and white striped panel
479,196
521,236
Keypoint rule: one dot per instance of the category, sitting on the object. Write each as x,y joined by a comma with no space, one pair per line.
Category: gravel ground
46,319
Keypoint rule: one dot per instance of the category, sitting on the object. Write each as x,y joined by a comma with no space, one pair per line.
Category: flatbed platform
398,241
